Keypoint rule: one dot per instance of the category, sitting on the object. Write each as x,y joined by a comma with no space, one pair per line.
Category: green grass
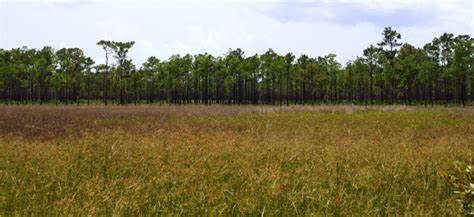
123,161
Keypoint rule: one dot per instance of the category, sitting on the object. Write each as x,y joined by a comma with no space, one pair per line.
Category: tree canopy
391,72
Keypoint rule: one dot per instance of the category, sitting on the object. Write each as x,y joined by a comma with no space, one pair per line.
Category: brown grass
56,121
219,160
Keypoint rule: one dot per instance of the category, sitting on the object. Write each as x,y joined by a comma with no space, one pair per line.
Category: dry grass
326,160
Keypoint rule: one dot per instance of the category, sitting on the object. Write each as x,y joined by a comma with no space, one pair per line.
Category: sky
164,28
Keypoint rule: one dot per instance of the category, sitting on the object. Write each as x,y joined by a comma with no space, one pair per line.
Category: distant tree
108,49
463,63
254,66
203,66
89,76
71,63
370,58
302,72
391,72
150,68
390,42
407,65
234,85
289,58
124,67
332,67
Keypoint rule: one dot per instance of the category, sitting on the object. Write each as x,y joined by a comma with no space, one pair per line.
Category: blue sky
163,28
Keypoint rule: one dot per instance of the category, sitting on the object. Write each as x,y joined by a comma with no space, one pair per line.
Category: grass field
326,160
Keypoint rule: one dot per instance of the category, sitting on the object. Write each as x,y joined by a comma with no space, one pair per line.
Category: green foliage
389,73
461,177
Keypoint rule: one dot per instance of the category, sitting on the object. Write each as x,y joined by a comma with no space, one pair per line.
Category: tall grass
127,162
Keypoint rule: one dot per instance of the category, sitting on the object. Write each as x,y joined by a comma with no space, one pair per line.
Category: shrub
460,176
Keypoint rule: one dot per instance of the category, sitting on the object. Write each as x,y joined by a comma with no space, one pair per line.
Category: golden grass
326,160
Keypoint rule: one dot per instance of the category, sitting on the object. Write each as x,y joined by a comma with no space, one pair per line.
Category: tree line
389,72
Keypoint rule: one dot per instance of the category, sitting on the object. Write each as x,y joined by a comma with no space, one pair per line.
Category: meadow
231,160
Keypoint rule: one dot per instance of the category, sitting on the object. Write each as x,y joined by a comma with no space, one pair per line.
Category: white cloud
163,28
1,25
112,28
